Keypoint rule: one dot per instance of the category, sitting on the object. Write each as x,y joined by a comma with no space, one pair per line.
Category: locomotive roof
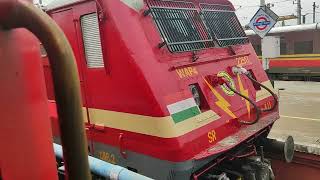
60,3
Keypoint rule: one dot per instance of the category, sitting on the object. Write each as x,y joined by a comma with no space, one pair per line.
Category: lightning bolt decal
245,92
222,103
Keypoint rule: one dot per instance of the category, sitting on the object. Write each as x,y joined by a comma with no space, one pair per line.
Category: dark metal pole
299,11
314,12
22,14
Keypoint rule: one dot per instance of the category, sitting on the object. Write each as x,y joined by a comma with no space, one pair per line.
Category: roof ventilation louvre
180,26
223,24
92,40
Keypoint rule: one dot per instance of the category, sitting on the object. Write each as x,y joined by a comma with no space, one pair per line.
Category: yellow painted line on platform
304,118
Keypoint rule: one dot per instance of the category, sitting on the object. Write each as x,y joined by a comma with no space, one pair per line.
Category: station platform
300,118
300,115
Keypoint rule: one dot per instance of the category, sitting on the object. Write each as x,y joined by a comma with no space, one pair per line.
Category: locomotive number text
108,157
267,105
243,60
212,136
187,72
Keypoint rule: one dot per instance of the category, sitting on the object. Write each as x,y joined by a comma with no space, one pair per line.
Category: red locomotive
171,89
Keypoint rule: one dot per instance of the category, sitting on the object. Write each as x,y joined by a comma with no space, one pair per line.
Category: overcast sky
247,8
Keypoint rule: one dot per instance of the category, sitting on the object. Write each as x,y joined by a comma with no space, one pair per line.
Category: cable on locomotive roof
223,24
180,25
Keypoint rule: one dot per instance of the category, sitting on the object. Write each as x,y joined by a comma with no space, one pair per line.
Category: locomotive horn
283,150
22,14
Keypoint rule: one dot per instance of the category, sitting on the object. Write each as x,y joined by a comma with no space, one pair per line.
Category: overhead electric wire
251,6
276,2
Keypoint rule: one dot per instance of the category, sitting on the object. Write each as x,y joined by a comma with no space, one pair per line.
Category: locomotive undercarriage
252,168
295,77
225,166
245,161
249,162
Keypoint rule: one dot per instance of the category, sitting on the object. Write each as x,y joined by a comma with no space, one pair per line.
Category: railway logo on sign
263,21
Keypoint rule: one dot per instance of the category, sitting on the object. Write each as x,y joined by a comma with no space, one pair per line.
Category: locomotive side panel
119,77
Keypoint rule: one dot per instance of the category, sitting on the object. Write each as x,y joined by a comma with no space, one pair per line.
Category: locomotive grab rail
22,14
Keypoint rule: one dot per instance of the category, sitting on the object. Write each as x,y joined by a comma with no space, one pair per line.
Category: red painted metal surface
138,78
25,138
304,62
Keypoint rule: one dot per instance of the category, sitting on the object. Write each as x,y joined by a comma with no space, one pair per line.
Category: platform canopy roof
284,29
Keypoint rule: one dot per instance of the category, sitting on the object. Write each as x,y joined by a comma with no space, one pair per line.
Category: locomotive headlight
196,94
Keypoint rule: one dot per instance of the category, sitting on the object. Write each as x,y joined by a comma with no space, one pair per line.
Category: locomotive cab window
92,40
303,47
283,46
